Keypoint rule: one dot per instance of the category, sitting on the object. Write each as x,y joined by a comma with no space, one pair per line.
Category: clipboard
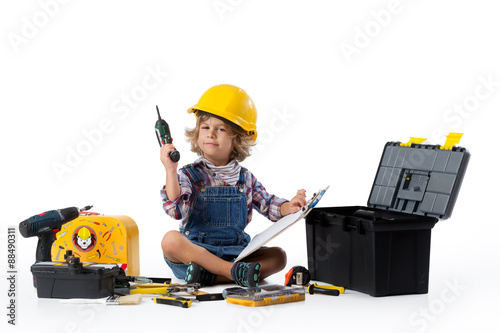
281,225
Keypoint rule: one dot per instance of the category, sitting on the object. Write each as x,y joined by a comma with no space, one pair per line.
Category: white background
332,82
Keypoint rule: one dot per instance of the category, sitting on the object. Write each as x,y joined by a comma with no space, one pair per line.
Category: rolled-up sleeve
179,207
266,204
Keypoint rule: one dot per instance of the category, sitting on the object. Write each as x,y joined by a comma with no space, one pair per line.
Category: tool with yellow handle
300,276
325,290
153,288
175,301
164,288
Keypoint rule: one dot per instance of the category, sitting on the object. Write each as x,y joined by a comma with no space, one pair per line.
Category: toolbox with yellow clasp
383,248
93,237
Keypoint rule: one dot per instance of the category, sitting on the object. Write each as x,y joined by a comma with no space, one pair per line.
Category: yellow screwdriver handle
325,290
157,290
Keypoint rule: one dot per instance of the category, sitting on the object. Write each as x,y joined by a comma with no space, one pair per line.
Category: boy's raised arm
172,187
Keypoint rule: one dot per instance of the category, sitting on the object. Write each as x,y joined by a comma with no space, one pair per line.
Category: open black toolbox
384,248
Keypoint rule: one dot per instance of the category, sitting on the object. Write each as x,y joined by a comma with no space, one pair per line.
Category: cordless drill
163,136
45,226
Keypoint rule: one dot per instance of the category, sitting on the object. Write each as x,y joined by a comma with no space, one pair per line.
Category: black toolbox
74,279
383,249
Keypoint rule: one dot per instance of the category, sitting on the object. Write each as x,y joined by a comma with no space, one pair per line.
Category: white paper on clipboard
279,226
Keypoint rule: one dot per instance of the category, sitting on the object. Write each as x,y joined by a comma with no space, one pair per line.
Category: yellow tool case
265,295
98,238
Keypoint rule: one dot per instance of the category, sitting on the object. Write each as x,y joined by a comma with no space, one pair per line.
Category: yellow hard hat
231,103
84,233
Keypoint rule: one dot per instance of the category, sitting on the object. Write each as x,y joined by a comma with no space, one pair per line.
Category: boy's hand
295,204
165,151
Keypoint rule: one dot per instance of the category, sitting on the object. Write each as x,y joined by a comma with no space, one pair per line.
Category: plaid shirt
257,197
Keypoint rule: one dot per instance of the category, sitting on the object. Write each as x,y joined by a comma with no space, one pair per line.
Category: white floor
461,287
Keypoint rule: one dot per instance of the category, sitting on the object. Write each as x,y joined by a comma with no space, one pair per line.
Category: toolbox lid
419,179
86,271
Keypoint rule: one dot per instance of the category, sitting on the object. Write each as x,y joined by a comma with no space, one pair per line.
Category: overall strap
195,175
241,182
242,175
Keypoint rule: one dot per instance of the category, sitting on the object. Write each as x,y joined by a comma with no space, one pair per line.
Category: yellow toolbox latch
451,140
413,140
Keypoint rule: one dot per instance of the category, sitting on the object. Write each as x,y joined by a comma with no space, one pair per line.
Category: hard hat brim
237,121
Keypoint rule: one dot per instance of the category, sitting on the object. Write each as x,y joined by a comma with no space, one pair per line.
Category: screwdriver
325,290
300,276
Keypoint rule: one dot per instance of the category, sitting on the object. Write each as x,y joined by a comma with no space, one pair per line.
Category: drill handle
44,246
162,130
158,137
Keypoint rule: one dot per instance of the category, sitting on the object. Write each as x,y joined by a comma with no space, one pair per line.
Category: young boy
214,196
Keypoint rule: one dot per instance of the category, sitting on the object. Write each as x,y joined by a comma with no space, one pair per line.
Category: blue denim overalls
217,219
